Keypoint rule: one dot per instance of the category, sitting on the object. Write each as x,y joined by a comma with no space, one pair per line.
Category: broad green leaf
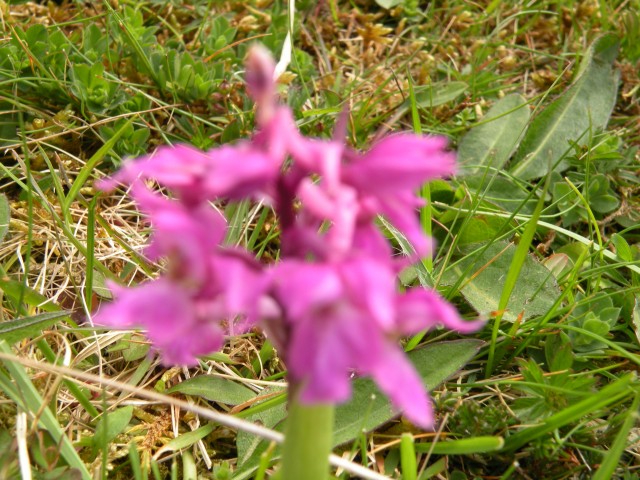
478,229
111,424
214,389
583,108
491,143
5,216
368,408
13,331
485,273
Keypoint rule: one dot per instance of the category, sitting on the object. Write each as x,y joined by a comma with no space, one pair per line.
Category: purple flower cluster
332,304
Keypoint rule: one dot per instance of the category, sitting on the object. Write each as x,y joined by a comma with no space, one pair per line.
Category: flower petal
401,162
421,309
397,378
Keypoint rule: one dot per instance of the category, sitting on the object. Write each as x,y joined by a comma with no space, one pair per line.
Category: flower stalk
308,441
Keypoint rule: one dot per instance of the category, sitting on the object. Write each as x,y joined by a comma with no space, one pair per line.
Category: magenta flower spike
332,305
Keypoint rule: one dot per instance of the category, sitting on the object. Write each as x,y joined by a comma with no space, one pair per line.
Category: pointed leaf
111,425
214,389
584,107
185,440
19,291
13,331
251,447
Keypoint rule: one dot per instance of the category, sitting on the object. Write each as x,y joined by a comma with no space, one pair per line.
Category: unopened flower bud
260,68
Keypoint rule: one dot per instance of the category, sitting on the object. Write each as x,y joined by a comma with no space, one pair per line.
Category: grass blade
612,458
464,446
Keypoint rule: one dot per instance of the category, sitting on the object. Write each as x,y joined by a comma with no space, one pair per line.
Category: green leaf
585,106
491,143
111,425
464,446
185,440
604,203
133,347
623,250
368,408
5,216
388,4
635,316
99,284
429,96
19,291
501,191
596,326
514,273
558,263
13,331
557,350
485,273
189,468
214,389
250,447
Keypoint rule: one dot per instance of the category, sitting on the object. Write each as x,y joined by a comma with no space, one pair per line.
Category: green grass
538,233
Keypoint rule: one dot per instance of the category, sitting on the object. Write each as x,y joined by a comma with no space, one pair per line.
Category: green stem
308,440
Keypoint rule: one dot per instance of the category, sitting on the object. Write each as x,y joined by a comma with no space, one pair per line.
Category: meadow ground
538,232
